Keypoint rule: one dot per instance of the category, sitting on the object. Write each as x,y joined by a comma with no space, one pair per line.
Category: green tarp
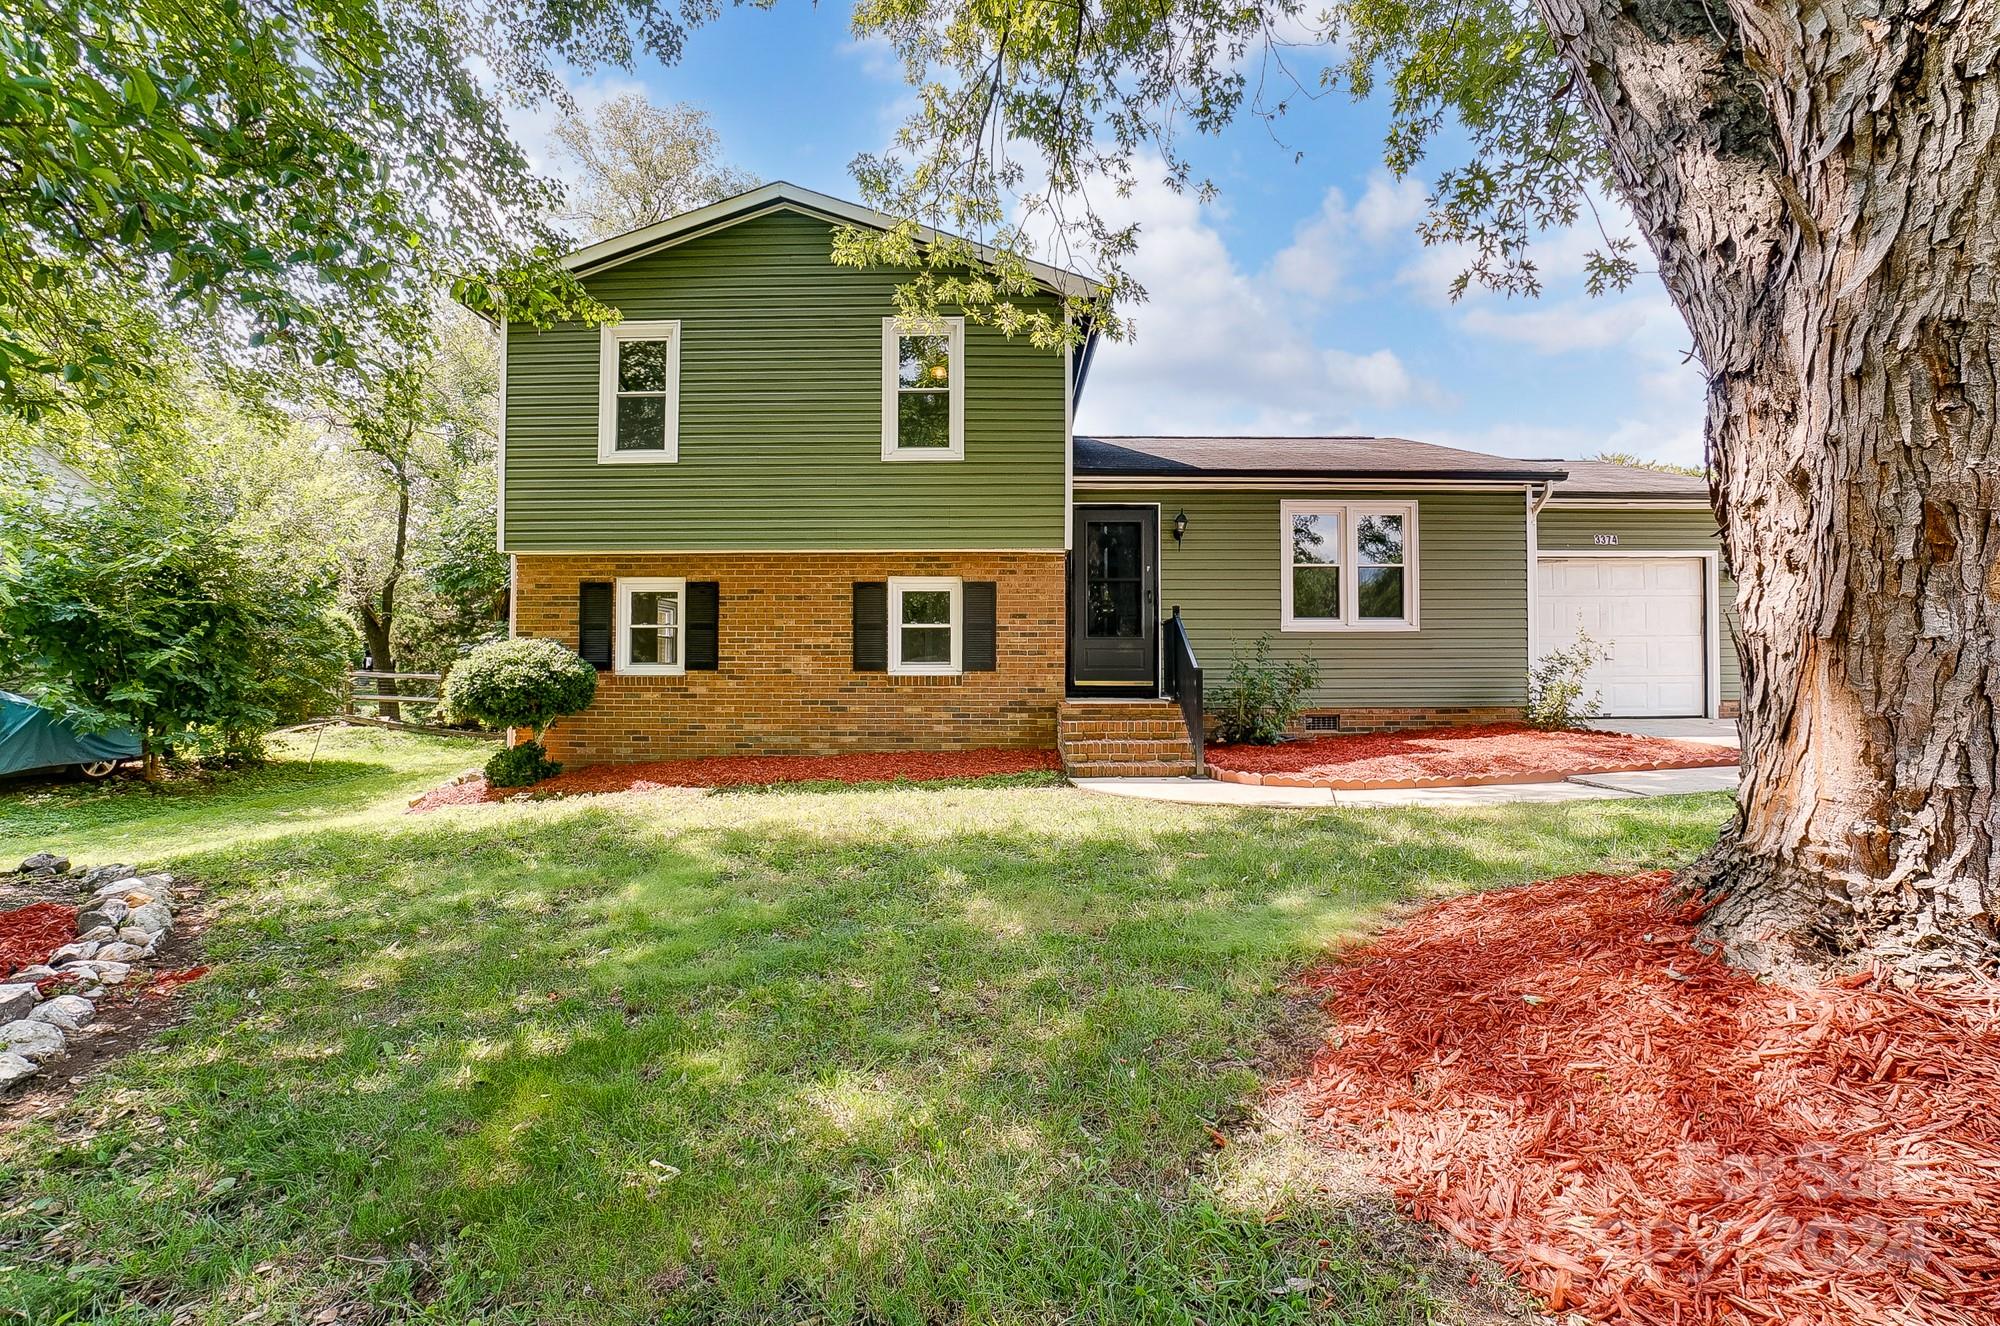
33,738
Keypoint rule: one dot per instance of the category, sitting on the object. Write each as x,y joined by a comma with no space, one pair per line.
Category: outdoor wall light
1180,527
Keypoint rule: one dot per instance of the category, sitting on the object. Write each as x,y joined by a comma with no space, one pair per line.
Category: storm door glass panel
1378,546
1114,586
1316,553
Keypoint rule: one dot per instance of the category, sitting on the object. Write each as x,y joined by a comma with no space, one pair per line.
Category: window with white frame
926,624
652,614
923,388
638,392
1349,566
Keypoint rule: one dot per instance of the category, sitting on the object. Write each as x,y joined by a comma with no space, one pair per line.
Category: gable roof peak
778,195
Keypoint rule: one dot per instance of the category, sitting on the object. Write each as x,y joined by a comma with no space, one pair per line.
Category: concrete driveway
1713,731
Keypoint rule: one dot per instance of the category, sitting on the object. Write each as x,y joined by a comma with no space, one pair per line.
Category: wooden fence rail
386,694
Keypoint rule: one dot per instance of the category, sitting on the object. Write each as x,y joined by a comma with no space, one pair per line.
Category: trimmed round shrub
520,683
521,766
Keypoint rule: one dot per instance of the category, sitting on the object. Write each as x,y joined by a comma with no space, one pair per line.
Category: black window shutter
871,626
593,623
704,651
981,651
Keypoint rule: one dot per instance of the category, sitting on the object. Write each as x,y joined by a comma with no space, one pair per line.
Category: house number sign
1605,540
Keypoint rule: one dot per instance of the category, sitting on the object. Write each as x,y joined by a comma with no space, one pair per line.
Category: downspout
1535,504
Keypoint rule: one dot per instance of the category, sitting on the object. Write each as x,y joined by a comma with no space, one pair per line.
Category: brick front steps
1124,739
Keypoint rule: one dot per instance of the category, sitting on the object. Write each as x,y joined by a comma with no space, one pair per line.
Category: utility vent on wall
1322,722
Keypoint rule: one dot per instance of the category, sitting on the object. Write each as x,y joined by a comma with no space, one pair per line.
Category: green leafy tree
415,432
1814,183
284,177
164,622
640,163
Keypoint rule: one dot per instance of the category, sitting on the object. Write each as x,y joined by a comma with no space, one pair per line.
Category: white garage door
1647,611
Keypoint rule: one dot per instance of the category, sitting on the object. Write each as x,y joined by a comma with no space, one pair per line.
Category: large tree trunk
378,613
1821,185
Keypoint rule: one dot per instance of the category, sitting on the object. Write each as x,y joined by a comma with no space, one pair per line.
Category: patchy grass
883,1055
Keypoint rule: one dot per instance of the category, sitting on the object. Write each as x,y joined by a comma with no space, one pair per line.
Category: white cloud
1557,328
1390,208
1221,348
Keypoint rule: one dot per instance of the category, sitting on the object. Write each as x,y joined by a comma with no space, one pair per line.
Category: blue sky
1300,301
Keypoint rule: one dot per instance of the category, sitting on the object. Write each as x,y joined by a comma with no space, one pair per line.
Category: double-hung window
926,625
923,388
638,392
1349,566
652,616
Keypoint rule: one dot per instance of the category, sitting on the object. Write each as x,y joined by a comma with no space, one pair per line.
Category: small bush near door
1261,698
1559,694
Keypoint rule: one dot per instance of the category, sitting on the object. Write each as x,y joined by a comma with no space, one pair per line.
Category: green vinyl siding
1576,529
1472,576
780,416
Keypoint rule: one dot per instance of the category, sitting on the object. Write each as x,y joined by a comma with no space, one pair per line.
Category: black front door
1114,615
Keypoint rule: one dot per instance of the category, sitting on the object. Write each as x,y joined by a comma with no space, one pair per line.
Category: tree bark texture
378,615
1821,185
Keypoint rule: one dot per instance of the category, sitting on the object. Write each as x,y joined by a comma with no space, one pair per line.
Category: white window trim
1350,560
898,585
621,617
892,329
609,338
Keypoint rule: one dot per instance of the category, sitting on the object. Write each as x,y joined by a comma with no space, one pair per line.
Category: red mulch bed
165,983
758,770
29,934
1457,756
1556,1075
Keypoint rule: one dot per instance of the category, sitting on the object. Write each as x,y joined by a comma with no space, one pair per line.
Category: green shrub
521,766
1556,685
1261,697
520,683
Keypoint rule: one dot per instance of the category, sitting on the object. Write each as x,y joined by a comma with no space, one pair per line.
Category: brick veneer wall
786,684
1397,720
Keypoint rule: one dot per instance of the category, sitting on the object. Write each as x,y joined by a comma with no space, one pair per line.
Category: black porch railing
1184,686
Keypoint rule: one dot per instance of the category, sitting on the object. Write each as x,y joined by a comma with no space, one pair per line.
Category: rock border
120,926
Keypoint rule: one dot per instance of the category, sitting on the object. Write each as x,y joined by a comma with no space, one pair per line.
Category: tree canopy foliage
640,163
289,178
1030,118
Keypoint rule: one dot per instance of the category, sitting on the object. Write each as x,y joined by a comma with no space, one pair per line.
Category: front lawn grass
881,1055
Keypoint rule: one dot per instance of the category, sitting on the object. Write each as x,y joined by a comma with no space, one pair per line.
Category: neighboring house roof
1300,458
774,197
1610,480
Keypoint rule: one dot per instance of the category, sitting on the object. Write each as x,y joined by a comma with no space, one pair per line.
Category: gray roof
1301,458
1603,478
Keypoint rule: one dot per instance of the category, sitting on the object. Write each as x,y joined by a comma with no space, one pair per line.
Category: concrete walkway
1583,787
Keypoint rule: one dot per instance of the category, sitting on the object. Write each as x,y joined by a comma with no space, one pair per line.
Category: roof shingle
1301,457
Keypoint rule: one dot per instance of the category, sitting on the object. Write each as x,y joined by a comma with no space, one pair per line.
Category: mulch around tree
756,771
1457,757
1558,1076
